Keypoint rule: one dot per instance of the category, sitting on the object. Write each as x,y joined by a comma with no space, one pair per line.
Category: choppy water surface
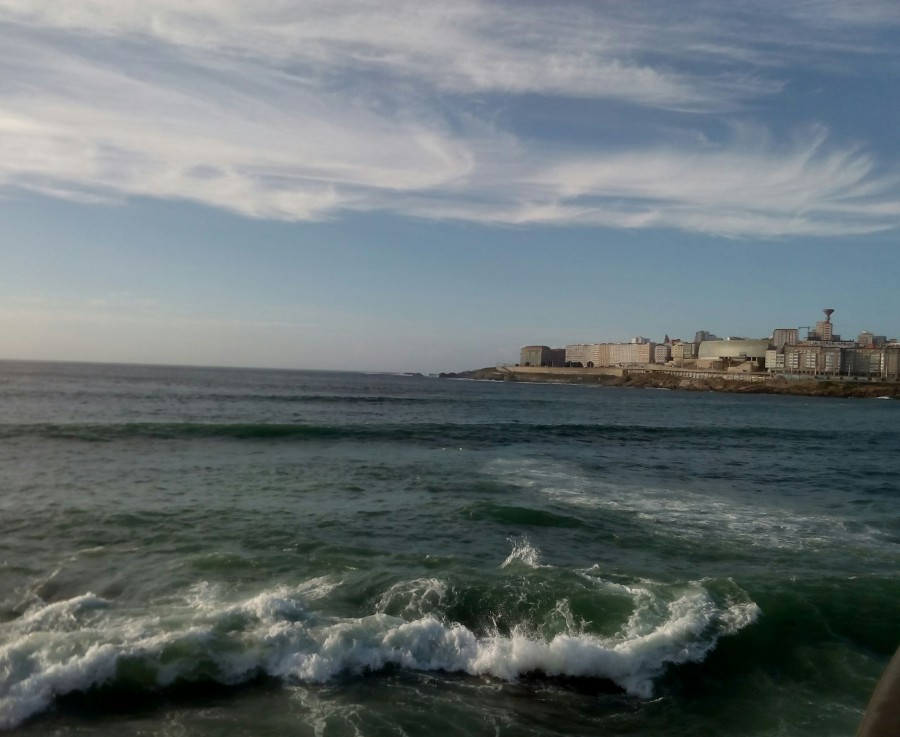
231,552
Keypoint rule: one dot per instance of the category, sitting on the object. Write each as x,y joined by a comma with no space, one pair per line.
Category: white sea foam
60,615
82,642
522,552
682,512
412,599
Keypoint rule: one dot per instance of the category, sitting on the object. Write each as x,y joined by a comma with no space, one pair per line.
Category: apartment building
785,336
583,354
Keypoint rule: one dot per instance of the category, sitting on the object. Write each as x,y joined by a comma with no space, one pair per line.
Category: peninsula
689,381
818,363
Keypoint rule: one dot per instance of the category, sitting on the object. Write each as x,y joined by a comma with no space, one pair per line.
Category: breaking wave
207,634
523,552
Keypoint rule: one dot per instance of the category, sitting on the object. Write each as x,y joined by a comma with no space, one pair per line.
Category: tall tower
824,328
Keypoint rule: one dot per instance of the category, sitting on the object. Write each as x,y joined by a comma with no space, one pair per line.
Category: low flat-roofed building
712,350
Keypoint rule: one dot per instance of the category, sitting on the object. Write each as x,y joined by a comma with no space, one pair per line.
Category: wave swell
423,433
87,642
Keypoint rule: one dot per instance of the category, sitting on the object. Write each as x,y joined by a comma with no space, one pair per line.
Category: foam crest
66,614
523,552
87,642
81,643
414,598
54,649
35,676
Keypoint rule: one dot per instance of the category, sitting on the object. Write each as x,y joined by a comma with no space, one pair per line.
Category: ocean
198,551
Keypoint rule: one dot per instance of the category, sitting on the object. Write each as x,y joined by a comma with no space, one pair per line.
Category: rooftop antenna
828,312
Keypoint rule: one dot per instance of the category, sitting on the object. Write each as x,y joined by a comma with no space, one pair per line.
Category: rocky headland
661,380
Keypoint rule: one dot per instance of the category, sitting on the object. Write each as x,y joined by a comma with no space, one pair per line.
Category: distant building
534,355
774,360
624,354
811,358
590,355
713,352
583,354
835,358
684,351
890,367
702,335
785,336
542,355
557,357
821,353
824,331
862,361
824,328
869,340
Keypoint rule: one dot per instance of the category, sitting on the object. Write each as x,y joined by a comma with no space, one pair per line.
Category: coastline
661,380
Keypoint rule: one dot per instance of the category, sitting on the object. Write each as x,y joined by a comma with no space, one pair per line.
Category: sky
428,186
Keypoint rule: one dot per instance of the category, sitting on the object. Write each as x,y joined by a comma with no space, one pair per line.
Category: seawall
663,377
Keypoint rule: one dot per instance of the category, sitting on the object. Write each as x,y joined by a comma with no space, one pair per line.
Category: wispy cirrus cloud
748,185
467,47
301,110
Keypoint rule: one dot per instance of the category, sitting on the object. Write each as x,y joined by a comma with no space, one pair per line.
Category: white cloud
843,13
298,110
745,186
467,46
263,147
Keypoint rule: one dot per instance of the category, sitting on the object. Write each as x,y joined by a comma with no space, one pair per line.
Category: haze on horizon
419,186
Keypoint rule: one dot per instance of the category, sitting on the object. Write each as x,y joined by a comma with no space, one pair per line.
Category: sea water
191,551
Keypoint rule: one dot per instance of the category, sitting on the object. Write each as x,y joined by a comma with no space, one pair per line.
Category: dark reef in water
661,380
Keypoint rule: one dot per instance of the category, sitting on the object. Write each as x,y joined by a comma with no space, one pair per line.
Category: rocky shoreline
660,380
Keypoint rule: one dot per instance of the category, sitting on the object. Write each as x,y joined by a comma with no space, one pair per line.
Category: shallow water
220,551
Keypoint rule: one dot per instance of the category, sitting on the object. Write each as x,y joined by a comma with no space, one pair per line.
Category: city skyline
811,332
339,186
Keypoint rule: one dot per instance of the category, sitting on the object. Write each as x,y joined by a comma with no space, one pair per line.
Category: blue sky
425,186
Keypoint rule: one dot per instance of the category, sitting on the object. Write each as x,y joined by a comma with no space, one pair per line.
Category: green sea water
190,551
